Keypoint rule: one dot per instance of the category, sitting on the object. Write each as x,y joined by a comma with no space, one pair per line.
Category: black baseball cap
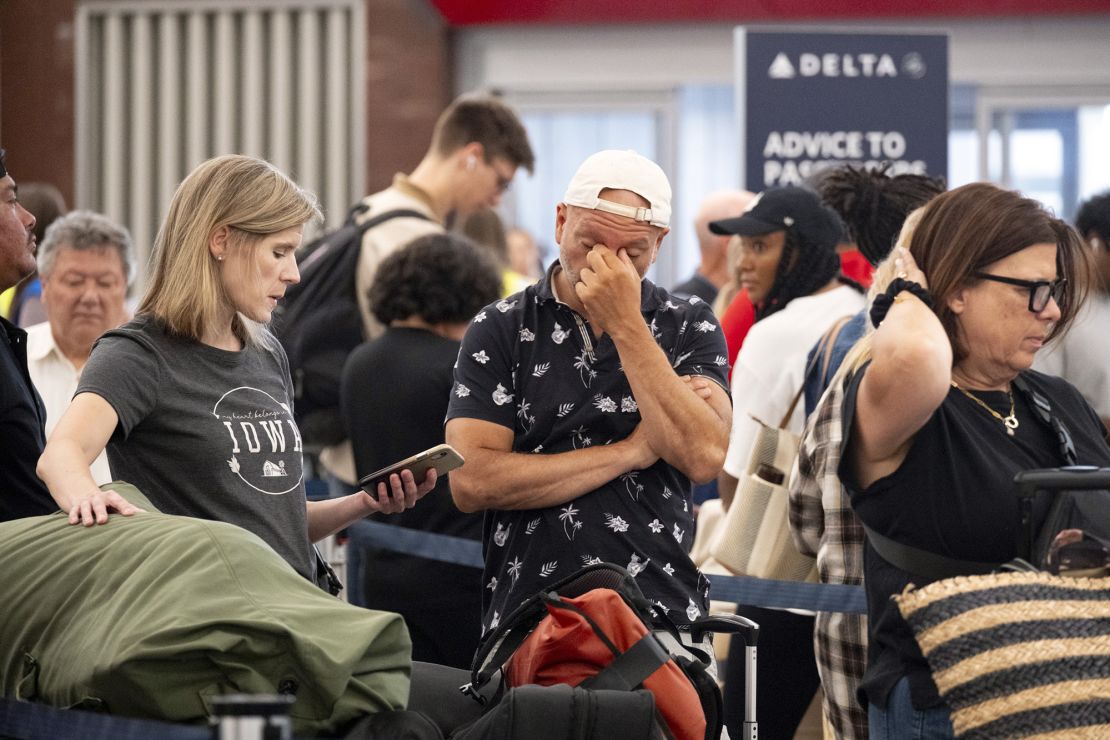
786,208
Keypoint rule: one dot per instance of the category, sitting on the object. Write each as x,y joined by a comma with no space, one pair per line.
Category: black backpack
319,324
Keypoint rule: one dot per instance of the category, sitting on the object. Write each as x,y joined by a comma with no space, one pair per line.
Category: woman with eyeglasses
941,411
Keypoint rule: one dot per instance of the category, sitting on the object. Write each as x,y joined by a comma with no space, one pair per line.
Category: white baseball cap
622,170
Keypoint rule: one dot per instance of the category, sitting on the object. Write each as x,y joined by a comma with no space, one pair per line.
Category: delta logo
846,65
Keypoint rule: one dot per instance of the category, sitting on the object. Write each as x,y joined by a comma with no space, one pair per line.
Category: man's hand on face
609,289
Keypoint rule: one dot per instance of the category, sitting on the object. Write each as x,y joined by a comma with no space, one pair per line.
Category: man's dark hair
487,121
874,204
442,278
1094,215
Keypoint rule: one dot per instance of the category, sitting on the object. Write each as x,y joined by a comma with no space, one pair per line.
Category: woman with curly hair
394,397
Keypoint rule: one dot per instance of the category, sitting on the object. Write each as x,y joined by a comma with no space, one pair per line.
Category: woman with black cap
789,266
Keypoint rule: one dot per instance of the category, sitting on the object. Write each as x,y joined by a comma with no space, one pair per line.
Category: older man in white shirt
85,263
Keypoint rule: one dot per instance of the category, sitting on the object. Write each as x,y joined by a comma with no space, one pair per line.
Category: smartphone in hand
443,458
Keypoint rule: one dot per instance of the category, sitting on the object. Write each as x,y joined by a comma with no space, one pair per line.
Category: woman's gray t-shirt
205,432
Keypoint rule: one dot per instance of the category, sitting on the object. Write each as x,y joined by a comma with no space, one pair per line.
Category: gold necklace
1009,421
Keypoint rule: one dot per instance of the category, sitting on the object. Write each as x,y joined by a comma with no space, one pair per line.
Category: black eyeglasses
1040,291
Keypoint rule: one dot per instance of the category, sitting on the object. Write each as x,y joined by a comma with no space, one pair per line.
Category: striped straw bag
1017,654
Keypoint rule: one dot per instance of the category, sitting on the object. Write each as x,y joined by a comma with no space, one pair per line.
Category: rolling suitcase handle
749,631
1030,482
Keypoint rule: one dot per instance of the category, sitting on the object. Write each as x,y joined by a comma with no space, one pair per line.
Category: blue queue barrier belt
27,720
745,590
816,597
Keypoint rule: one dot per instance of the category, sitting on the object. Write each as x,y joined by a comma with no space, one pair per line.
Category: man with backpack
586,404
477,146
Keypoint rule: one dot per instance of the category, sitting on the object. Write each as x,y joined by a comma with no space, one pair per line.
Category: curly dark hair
1094,215
442,278
803,269
874,204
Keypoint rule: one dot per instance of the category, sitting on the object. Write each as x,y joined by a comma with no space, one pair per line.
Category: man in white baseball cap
586,404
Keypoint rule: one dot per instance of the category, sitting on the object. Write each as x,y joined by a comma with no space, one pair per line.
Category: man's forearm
686,431
494,479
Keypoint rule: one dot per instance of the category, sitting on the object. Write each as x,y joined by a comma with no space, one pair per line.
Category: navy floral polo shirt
532,364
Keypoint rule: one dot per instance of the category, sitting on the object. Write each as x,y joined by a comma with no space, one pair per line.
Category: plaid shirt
825,527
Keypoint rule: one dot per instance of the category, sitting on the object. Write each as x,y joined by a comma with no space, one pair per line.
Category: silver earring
219,258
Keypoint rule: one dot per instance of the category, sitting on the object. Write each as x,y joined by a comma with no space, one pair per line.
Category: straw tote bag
1017,654
755,538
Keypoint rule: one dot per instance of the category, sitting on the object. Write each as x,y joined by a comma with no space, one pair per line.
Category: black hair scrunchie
882,303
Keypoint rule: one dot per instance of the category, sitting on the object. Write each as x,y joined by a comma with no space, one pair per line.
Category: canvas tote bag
754,539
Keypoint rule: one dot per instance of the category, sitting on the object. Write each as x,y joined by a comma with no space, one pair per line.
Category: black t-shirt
697,285
394,400
394,397
954,495
22,417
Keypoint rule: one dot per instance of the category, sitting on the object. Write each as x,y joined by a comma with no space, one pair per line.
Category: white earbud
471,162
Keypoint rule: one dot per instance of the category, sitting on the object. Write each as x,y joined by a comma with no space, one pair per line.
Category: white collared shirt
56,378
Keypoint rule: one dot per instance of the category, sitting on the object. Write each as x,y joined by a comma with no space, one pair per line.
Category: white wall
1010,61
1073,52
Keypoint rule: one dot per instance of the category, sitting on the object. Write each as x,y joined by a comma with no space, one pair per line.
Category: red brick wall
36,90
409,81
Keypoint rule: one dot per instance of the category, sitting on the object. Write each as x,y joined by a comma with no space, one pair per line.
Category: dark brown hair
966,229
487,121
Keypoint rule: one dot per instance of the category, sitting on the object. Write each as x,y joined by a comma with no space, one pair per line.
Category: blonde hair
246,194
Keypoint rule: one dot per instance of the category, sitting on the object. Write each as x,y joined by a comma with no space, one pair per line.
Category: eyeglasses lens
1041,294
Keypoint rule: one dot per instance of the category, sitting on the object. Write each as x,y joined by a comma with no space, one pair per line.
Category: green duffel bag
154,615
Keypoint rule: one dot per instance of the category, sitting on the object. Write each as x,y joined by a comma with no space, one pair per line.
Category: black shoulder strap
386,216
924,563
352,224
497,646
1043,410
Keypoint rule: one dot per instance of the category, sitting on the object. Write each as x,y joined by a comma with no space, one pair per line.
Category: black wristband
882,303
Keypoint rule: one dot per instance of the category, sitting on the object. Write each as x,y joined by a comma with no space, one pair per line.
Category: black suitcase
1090,512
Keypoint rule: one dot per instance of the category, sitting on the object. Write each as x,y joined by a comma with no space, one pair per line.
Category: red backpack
593,630
582,636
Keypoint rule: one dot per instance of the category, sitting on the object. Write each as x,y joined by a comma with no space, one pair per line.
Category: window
1053,150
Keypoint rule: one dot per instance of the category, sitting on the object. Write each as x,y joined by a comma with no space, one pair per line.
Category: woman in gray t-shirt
193,398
